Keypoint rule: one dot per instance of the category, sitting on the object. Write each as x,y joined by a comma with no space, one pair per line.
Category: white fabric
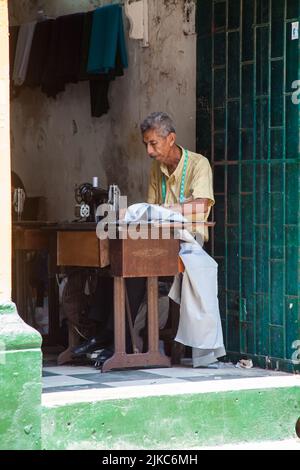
151,212
23,50
200,324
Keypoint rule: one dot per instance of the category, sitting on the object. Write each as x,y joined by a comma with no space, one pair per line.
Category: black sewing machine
89,196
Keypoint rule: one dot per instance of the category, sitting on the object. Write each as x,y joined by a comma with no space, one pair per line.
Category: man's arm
191,206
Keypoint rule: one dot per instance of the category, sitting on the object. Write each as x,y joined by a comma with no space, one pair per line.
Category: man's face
158,147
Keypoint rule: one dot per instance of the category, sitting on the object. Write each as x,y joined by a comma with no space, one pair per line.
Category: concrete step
175,414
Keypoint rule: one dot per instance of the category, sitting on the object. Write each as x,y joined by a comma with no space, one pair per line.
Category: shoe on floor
102,357
87,347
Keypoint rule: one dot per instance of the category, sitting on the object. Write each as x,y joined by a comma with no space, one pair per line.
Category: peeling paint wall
56,143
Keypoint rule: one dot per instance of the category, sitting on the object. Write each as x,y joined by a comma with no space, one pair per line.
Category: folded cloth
107,37
23,49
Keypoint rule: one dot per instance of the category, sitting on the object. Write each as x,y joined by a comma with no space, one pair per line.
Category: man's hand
190,206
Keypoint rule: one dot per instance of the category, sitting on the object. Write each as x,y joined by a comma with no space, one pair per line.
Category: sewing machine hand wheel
84,193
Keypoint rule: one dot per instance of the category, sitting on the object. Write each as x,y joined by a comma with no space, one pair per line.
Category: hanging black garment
63,64
39,53
85,46
99,97
69,53
50,83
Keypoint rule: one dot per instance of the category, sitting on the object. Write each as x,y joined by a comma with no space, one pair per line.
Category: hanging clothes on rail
106,38
82,46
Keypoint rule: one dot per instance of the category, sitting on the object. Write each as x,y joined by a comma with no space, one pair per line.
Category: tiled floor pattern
80,377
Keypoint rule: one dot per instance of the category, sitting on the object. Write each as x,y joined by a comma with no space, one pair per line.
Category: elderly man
180,180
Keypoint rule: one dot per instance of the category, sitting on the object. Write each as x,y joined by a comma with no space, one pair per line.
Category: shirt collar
178,169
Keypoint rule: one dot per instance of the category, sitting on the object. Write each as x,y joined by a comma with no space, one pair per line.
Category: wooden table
76,244
150,258
127,258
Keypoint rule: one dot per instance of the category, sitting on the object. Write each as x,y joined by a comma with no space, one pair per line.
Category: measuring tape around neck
182,185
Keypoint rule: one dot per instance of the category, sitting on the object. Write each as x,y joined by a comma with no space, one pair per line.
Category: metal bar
226,195
241,332
285,313
269,182
254,195
261,162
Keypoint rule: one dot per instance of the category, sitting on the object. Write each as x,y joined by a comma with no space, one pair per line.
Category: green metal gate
248,126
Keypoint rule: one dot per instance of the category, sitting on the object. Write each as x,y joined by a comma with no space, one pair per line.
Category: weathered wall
56,143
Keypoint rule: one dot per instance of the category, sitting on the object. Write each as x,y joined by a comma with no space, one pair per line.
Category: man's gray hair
160,122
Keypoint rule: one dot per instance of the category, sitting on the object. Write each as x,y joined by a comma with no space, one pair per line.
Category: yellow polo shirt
198,184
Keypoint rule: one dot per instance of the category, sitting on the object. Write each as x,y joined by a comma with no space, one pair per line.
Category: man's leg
136,291
101,314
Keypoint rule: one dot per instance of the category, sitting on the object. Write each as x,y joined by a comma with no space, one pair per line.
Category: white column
5,191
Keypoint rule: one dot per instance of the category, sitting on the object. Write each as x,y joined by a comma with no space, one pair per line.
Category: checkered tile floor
79,377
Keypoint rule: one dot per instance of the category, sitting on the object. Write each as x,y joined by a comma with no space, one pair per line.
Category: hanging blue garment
107,37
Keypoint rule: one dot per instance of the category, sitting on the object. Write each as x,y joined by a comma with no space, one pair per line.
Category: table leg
119,314
153,327
122,360
67,355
